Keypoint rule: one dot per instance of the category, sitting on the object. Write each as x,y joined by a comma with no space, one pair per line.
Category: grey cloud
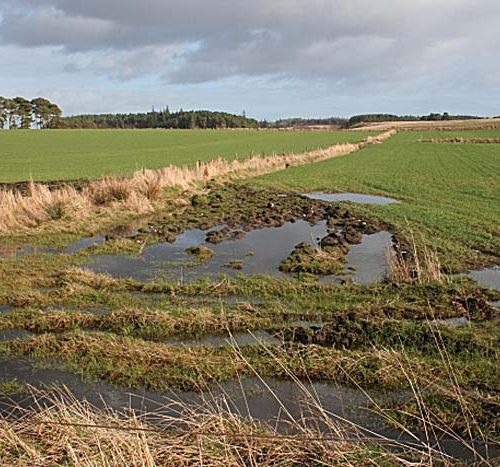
188,41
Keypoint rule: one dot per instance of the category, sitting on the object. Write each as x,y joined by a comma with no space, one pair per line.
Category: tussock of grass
201,253
314,260
12,388
420,264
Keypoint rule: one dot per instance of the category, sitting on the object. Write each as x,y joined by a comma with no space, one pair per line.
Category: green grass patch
12,388
450,193
77,154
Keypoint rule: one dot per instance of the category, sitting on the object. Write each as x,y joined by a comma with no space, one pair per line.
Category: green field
486,133
389,338
74,154
450,192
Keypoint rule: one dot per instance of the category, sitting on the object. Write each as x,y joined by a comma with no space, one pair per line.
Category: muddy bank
352,332
241,209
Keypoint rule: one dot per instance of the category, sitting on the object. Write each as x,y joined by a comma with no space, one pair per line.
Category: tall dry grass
74,433
60,429
141,192
420,264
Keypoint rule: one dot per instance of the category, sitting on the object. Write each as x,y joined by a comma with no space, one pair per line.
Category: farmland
450,193
76,154
172,298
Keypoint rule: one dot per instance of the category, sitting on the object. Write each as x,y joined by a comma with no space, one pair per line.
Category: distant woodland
202,119
40,113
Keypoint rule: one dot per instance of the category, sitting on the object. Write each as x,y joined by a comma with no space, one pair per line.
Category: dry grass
420,265
73,433
142,192
63,430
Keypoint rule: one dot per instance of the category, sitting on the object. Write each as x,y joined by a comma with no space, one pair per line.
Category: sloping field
75,154
450,192
486,123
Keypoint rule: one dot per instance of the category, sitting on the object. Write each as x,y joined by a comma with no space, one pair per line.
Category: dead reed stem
420,264
65,430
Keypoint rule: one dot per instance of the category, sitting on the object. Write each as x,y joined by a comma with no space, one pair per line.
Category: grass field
391,336
74,154
450,192
484,133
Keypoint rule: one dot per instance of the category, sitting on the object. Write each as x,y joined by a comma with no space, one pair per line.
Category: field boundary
142,192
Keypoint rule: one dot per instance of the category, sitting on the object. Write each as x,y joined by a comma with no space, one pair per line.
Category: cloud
326,38
348,44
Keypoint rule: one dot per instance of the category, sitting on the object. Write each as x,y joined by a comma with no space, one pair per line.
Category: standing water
352,197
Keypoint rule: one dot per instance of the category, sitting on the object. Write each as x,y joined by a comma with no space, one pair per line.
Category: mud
85,243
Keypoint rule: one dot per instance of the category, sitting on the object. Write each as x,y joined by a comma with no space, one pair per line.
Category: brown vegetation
417,264
482,124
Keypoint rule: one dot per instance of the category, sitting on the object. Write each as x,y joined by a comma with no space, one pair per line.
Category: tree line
22,113
202,119
19,112
434,117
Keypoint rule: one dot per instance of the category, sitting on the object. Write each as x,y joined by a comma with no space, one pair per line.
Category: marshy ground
152,308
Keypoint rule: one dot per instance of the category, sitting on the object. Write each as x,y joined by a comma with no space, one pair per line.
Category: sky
269,58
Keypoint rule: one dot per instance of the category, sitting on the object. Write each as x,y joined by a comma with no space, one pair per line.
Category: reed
420,264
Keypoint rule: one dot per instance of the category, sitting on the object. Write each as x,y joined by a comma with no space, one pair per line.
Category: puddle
18,251
487,277
272,401
13,334
238,338
369,260
453,322
352,197
248,397
260,251
6,309
85,243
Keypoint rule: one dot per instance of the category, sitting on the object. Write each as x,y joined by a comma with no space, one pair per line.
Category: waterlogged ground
167,323
352,197
258,252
